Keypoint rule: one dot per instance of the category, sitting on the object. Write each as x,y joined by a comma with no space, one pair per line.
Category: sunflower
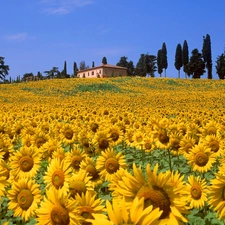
197,190
74,158
5,171
89,165
148,144
161,138
102,141
24,196
27,140
194,131
215,143
68,134
138,139
59,153
201,158
84,139
211,128
157,190
116,134
49,148
57,208
217,195
58,175
109,162
174,142
80,183
4,182
129,136
25,162
6,147
186,144
39,138
88,204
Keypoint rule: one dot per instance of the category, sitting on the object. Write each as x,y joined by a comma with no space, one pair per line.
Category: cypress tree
93,64
164,61
159,62
207,55
65,69
185,57
178,59
75,69
104,60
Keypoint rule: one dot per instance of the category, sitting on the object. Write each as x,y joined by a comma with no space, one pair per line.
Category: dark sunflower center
51,150
139,139
58,179
94,127
156,197
40,141
86,212
214,145
111,165
211,130
85,142
148,145
92,171
223,193
26,163
201,159
76,160
175,143
196,192
77,187
103,143
25,199
162,136
60,216
115,136
188,147
6,153
68,134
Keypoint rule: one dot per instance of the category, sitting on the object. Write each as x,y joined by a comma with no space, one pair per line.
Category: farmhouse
102,71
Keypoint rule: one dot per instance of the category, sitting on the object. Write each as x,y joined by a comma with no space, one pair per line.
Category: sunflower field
112,151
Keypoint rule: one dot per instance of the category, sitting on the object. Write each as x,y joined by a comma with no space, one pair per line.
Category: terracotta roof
104,66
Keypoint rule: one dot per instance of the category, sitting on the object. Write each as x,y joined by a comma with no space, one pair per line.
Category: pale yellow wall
102,72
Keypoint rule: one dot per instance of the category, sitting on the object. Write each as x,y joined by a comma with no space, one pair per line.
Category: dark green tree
104,60
82,65
130,68
178,59
54,72
164,61
65,70
4,69
129,65
150,61
207,54
140,69
196,66
159,62
75,69
39,75
93,64
185,57
220,66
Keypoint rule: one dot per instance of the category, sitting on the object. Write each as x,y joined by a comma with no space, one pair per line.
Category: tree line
147,65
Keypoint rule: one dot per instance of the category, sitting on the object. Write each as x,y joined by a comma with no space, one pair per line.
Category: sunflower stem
170,164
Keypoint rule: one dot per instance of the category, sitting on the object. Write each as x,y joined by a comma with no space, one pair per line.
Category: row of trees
147,64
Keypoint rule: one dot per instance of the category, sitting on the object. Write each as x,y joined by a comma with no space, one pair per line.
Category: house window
99,71
92,73
105,71
88,73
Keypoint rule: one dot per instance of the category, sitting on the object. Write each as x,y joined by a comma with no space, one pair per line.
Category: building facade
103,71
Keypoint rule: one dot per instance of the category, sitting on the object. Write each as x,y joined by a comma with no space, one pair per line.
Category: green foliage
97,87
150,61
129,65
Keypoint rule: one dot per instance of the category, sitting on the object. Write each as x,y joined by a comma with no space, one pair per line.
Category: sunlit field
117,151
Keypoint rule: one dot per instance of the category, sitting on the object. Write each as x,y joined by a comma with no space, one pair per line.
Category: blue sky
37,35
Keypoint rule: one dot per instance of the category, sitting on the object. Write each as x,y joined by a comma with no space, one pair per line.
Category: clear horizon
38,35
